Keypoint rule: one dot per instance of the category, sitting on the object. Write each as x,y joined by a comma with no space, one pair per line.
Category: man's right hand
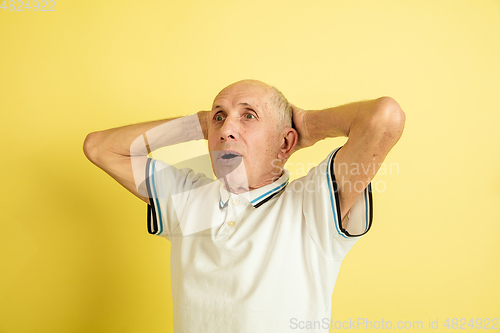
204,117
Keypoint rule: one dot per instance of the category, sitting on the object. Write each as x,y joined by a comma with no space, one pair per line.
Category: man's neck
240,188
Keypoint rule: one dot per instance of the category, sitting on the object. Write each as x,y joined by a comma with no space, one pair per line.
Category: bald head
278,101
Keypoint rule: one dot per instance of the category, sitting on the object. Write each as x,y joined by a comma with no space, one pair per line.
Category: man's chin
225,167
232,173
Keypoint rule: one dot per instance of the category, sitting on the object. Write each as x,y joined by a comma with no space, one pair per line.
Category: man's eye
250,116
219,118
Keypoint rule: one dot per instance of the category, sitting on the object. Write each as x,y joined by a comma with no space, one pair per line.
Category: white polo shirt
263,261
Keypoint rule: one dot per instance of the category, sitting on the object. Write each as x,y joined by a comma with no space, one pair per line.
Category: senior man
250,251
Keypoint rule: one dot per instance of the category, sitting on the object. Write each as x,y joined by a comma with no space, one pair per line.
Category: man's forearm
139,139
175,131
340,120
122,152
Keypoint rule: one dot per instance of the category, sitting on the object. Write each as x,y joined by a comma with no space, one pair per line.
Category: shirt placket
235,207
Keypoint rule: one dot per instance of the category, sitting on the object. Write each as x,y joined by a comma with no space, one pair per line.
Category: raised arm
373,127
122,152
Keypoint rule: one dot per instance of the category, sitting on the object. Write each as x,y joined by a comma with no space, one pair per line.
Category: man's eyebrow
242,103
248,105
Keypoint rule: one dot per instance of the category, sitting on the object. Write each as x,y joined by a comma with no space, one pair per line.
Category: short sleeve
321,209
168,189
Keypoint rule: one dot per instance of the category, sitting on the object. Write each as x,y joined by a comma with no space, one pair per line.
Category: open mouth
227,155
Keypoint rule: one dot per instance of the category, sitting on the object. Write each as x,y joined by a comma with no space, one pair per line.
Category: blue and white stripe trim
335,200
155,223
264,196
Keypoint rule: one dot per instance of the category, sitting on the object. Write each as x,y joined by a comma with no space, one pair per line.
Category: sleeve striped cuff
360,215
155,225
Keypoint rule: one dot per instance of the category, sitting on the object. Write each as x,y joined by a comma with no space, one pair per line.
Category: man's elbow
388,117
91,146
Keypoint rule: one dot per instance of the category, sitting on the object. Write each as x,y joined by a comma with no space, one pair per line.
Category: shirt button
231,223
235,202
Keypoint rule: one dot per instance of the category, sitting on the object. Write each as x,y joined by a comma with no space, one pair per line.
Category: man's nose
229,130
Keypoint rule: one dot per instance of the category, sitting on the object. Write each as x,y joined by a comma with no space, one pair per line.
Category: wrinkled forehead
249,92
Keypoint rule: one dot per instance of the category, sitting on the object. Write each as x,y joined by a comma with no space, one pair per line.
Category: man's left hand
299,124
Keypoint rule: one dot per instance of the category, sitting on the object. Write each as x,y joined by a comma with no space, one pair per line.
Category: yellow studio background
75,255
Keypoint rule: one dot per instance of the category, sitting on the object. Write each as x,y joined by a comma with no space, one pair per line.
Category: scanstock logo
187,192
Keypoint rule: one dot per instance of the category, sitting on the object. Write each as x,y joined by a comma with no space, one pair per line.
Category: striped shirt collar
258,196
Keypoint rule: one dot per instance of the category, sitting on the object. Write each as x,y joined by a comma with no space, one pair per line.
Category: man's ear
289,140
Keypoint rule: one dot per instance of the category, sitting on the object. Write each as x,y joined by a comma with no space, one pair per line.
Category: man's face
242,128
